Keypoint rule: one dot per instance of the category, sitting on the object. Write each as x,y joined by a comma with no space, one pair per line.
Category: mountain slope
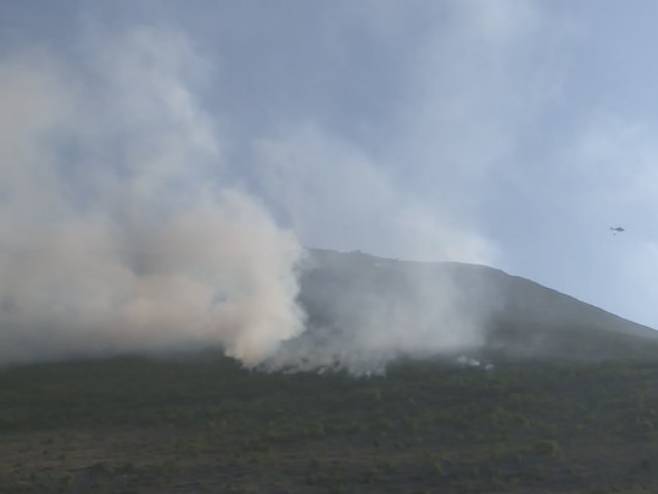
359,304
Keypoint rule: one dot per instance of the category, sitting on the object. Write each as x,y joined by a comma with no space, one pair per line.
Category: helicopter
617,229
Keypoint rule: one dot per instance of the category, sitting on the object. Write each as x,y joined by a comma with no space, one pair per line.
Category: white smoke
336,194
117,229
365,312
121,230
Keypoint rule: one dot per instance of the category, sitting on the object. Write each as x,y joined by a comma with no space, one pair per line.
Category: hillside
570,405
453,307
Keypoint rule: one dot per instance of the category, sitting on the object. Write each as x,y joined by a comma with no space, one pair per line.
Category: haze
512,134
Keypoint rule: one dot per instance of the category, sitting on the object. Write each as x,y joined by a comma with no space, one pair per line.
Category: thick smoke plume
121,229
117,229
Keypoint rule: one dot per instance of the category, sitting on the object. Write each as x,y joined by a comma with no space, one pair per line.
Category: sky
512,133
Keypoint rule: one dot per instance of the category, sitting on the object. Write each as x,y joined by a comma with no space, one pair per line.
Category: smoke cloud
365,312
118,230
155,187
336,194
124,226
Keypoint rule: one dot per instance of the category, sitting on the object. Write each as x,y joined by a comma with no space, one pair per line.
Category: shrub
547,447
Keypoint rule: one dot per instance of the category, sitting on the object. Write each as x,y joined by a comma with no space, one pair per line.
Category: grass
207,425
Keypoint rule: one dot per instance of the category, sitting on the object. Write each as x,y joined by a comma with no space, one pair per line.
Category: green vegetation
134,425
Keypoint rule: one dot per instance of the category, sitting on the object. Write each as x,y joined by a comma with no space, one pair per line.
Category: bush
547,447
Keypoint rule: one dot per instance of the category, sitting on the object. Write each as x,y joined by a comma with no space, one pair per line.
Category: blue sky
512,133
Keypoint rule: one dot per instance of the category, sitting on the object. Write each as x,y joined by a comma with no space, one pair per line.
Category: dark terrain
570,406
